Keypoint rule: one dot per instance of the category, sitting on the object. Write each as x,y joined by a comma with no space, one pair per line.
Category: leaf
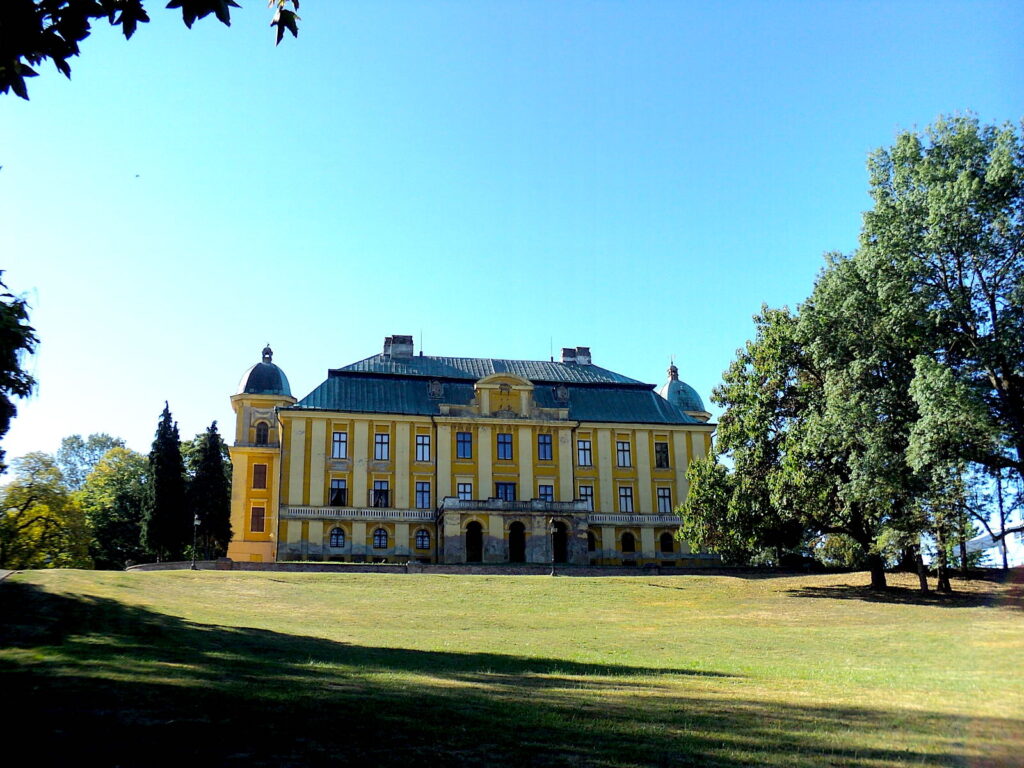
130,18
283,20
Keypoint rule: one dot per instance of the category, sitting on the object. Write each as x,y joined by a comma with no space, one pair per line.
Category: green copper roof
264,379
474,368
410,395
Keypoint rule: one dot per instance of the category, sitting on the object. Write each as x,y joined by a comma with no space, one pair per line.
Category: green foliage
903,365
167,523
41,523
77,457
17,338
209,493
944,240
113,498
32,31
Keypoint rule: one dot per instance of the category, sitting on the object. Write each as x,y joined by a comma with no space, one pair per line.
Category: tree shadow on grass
95,680
1010,598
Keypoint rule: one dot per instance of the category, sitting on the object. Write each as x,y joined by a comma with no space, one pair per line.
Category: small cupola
264,378
683,396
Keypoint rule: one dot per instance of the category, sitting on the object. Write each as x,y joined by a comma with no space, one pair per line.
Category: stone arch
516,542
560,531
474,542
262,433
627,543
667,543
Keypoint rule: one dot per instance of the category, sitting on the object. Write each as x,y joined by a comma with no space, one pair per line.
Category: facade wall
372,487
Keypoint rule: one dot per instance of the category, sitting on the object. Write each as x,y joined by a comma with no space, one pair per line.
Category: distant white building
1014,544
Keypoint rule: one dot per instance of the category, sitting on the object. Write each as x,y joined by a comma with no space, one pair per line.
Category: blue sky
496,178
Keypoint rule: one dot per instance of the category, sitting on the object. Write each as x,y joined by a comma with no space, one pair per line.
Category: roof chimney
398,347
583,355
569,355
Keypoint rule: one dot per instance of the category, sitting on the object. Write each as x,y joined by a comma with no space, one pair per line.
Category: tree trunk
941,568
922,572
961,535
1002,519
877,567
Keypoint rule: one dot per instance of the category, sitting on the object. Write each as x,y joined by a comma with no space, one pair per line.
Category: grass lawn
222,668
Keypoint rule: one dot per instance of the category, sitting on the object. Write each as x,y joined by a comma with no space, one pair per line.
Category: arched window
591,541
628,543
667,544
337,537
380,539
422,539
262,433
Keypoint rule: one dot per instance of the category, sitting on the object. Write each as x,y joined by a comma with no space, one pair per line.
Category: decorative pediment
505,395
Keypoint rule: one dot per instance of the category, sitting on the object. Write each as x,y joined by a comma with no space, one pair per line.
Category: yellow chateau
403,457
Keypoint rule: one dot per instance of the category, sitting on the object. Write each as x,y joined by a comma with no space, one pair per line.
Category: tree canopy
167,524
209,492
17,338
41,523
851,416
77,457
32,31
113,498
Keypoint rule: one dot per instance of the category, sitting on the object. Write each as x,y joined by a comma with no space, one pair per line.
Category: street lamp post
551,527
195,531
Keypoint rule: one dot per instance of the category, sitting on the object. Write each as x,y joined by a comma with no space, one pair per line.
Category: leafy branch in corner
32,31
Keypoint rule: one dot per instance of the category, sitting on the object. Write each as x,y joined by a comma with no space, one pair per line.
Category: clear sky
496,178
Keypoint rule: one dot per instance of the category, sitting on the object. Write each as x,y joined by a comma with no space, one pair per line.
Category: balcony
357,513
452,504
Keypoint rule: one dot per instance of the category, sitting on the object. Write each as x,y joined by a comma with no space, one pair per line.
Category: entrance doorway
560,543
517,543
474,542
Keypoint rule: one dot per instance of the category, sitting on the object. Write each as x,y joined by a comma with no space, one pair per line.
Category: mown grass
308,669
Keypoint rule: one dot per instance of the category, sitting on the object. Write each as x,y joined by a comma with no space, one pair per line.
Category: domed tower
683,396
256,460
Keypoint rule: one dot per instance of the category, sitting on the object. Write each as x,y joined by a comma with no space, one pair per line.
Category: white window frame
422,447
581,450
339,445
624,453
625,499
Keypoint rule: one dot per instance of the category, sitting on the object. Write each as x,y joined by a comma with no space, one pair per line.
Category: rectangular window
259,475
505,491
465,491
505,446
623,453
422,495
661,455
464,445
544,448
625,499
257,519
587,495
339,493
382,446
339,445
546,492
380,494
665,501
422,447
584,457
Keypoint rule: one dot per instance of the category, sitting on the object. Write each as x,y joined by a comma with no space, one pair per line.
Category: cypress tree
209,494
167,524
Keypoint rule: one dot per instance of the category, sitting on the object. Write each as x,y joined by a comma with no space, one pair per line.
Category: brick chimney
398,347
